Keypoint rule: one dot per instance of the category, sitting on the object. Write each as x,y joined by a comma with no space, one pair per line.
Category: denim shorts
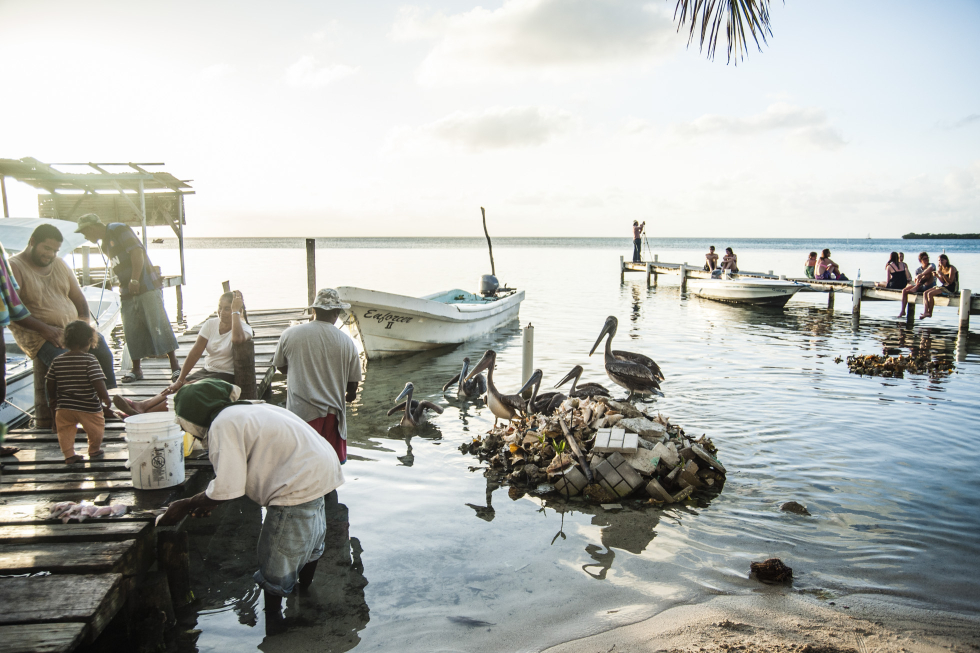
291,537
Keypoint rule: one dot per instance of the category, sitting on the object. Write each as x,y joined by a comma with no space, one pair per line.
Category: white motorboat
737,289
389,324
104,306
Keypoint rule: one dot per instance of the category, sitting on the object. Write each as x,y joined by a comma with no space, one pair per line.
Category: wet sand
778,621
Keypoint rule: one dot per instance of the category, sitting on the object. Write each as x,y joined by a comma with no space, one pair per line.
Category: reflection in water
333,610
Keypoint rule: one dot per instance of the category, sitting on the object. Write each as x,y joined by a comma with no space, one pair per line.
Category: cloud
497,128
962,122
307,72
535,38
805,125
217,70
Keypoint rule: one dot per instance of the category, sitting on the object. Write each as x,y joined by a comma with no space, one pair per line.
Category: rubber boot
306,574
274,621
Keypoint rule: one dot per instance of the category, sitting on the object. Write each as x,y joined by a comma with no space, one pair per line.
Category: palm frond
734,16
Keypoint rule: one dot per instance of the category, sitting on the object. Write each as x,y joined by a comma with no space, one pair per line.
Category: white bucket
156,451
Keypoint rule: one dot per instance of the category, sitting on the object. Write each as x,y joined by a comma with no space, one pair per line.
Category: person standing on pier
322,368
637,232
51,293
145,322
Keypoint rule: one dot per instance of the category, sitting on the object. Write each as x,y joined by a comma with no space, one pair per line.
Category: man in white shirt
323,370
274,458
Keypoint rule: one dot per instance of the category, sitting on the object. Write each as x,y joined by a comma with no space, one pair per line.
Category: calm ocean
888,467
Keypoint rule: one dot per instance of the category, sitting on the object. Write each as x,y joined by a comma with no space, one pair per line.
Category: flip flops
132,377
98,454
74,460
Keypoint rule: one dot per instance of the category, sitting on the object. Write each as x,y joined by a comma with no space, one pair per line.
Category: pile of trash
897,366
68,510
601,449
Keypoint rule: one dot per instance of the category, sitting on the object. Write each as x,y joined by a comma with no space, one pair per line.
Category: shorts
208,374
291,537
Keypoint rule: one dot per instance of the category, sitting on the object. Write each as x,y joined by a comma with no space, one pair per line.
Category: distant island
914,236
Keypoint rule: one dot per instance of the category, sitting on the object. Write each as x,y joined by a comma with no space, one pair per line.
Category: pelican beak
606,328
533,380
574,374
466,367
409,387
484,363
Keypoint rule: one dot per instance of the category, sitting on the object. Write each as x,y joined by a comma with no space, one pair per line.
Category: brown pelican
623,368
584,390
546,403
414,410
502,406
466,389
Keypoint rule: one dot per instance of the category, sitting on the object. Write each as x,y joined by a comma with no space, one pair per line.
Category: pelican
502,406
414,410
584,390
546,403
466,389
623,368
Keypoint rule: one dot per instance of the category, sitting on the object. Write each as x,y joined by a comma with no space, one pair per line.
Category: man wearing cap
275,459
323,370
145,322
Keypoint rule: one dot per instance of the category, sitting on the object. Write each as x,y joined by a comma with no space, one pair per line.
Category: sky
561,117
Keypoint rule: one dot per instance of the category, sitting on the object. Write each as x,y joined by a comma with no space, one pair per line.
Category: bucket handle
139,459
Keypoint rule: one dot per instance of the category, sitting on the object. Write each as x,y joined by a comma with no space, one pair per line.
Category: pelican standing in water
467,388
415,411
584,390
625,368
546,403
502,406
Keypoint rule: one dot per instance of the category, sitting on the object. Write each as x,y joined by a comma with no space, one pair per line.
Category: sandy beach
776,620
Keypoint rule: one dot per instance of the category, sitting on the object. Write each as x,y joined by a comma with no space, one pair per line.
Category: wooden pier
96,567
966,302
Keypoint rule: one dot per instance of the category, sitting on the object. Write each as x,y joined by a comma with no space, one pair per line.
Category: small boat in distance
389,324
745,290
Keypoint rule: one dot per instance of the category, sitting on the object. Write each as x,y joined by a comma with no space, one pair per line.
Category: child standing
77,393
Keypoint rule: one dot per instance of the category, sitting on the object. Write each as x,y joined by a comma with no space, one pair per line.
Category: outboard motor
488,285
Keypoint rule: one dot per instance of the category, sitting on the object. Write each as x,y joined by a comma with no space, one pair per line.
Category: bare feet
125,405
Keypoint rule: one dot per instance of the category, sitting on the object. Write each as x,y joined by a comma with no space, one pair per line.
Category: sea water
425,554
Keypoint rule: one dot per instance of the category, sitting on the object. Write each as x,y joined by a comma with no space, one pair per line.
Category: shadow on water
222,551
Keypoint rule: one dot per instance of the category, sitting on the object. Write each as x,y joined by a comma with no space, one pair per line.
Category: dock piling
310,270
86,270
225,286
622,270
649,272
527,359
42,413
830,299
856,305
966,295
910,312
683,272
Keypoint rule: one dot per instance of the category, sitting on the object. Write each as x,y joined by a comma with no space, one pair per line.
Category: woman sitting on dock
217,336
898,275
810,265
827,269
949,277
729,261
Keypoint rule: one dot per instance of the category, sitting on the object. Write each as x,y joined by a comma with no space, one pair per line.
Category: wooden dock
94,566
967,303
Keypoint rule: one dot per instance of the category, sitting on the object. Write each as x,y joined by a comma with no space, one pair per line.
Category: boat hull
757,292
391,325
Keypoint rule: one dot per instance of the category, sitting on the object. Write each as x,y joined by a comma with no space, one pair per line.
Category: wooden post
310,270
527,358
770,273
966,301
782,277
243,354
180,239
42,414
683,271
622,270
3,192
649,272
856,304
830,297
173,557
656,258
143,213
910,312
86,270
180,302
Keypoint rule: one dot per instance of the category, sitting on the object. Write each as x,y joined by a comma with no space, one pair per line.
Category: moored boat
389,324
745,290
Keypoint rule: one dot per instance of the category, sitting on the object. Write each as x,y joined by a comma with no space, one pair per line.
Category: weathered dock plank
89,599
124,557
41,638
56,532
